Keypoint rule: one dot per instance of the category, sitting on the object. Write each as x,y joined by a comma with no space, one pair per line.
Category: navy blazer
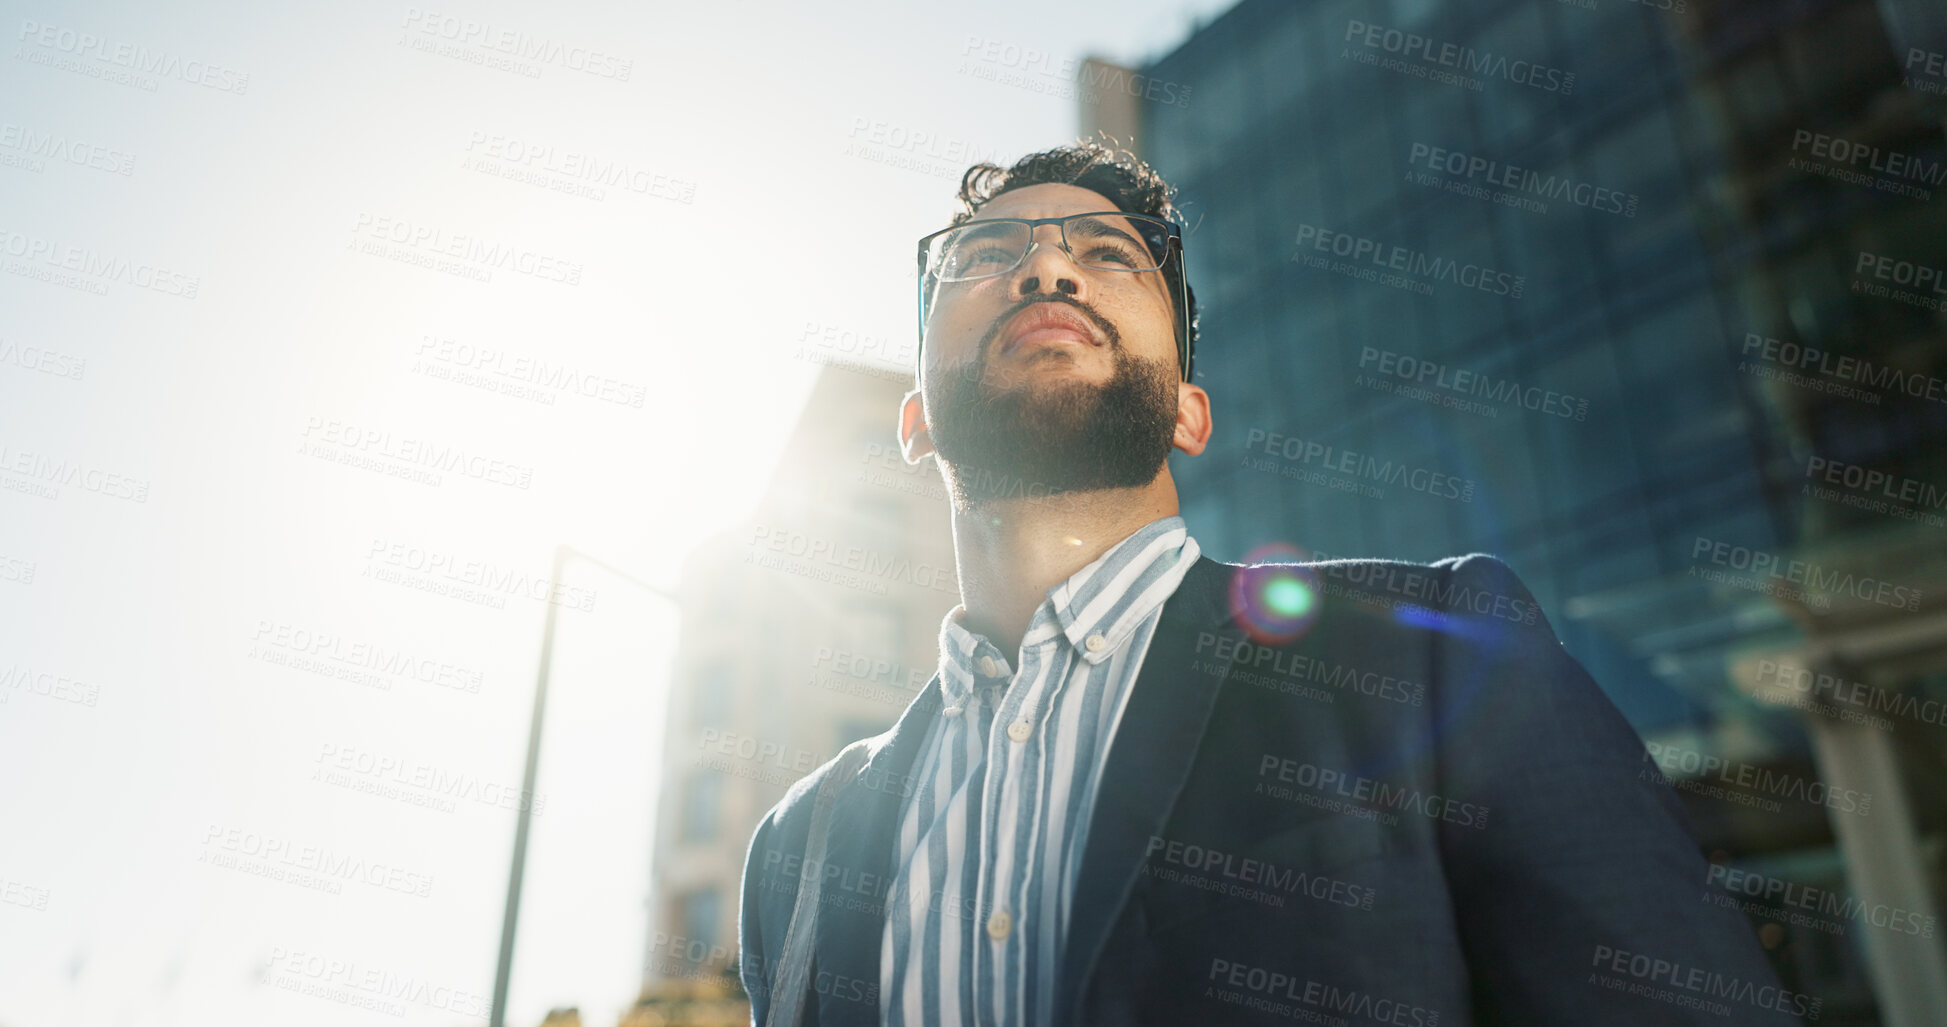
1419,812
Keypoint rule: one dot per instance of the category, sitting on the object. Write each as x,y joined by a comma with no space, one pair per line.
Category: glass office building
1646,299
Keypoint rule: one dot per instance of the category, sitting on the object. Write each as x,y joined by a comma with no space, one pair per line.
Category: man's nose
1047,267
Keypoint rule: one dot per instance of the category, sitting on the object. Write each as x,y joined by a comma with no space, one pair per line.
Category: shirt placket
1008,765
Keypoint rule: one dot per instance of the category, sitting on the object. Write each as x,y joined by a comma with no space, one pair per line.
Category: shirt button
1020,730
988,668
999,924
1096,643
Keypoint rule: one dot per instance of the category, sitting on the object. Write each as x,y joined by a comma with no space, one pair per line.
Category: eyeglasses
1105,240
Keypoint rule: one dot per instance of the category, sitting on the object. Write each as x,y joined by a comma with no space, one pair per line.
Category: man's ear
914,442
1192,419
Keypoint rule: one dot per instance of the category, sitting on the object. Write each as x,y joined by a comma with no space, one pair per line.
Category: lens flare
1288,598
1275,601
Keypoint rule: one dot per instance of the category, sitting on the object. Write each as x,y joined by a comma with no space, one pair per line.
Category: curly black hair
1124,178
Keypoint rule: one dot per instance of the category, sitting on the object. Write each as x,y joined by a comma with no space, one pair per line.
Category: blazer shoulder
1429,595
1473,563
1482,566
772,873
1483,584
1476,566
791,814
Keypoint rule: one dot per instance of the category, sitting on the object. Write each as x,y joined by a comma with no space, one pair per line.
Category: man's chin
1045,379
1052,429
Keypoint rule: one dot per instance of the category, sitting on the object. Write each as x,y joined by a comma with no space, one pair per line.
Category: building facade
1644,298
810,626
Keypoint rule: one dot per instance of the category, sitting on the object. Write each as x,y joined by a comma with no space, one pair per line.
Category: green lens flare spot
1288,598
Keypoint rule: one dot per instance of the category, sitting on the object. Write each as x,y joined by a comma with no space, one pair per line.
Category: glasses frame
1173,250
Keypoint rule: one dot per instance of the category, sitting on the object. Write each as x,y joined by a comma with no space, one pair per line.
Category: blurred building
701,1002
811,626
1646,299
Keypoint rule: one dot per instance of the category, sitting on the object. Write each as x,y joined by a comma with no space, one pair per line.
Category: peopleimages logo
356,655
1009,64
566,170
1700,768
1523,180
36,147
852,566
1357,468
125,63
1770,568
1241,877
522,376
365,987
1309,1000
91,270
1418,371
1819,900
1877,491
897,137
1926,70
1828,365
1428,51
869,668
311,866
1890,162
1425,588
1850,161
1239,656
24,895
1872,270
1361,251
1694,987
41,475
1852,695
1366,792
416,783
515,44
414,459
42,359
1901,272
473,257
475,581
47,684
17,570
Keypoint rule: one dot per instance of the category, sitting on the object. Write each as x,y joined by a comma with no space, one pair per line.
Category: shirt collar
967,662
1110,597
1114,594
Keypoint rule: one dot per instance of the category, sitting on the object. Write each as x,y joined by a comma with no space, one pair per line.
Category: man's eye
1111,254
986,256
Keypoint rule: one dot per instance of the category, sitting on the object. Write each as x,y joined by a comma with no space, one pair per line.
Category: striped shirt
985,864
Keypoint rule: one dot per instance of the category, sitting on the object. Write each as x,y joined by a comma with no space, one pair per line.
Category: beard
1041,438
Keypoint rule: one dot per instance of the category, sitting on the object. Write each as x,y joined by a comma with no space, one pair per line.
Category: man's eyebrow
1101,227
989,227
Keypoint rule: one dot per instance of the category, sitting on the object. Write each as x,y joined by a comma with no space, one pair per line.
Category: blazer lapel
1148,761
865,822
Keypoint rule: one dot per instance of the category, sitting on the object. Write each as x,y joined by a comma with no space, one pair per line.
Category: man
1148,787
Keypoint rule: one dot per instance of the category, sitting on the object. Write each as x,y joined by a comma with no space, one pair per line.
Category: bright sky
268,271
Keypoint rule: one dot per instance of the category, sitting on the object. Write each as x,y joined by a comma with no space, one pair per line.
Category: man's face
968,322
1053,377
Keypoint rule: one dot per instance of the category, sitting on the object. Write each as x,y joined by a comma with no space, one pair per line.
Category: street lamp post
510,917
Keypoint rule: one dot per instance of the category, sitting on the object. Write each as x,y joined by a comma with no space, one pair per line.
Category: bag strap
793,981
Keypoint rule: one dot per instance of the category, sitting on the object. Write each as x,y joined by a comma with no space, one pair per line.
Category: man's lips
1047,323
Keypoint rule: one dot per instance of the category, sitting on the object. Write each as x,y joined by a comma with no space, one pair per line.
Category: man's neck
1010,552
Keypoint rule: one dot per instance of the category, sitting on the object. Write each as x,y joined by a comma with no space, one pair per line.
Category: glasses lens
1117,242
1109,242
976,251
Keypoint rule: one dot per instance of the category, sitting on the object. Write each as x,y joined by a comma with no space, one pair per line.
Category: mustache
1101,323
